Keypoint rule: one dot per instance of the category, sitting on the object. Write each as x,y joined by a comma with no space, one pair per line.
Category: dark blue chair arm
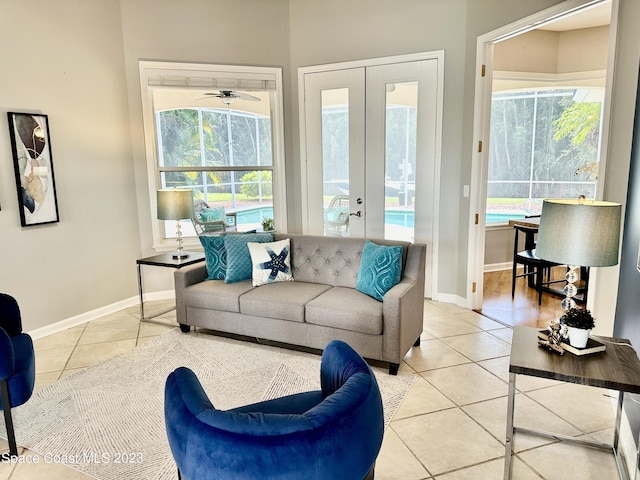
10,318
8,359
339,363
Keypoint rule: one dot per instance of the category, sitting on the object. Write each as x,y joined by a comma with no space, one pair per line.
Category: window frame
218,77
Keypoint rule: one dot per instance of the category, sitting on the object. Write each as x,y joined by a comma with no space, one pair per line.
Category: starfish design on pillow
276,264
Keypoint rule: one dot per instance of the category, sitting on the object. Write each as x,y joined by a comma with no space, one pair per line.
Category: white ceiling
595,16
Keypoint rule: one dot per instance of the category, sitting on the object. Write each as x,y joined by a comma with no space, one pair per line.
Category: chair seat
529,255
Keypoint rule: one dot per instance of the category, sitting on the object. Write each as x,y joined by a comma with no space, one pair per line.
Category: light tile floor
451,425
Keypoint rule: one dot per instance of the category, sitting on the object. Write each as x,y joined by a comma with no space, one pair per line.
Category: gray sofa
320,305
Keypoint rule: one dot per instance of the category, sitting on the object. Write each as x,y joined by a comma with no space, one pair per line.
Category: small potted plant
267,224
579,323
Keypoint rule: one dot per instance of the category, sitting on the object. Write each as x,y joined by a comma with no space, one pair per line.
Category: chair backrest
529,239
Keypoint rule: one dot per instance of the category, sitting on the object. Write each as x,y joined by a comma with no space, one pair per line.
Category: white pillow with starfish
271,262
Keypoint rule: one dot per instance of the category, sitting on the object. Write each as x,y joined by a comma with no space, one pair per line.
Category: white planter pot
578,337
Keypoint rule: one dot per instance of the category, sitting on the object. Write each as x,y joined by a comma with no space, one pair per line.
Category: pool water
392,217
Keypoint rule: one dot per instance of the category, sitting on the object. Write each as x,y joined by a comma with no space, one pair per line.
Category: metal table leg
508,444
140,292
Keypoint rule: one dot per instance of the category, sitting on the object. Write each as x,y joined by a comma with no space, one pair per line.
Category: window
544,144
218,131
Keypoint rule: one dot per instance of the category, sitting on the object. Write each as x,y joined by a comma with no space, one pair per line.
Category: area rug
107,421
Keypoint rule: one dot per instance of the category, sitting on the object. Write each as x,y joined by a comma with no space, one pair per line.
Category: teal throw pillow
215,256
380,269
212,214
216,214
239,265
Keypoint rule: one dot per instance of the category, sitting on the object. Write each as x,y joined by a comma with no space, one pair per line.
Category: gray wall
628,307
251,32
77,62
65,59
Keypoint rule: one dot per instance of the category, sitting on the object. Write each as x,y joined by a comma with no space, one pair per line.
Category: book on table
593,345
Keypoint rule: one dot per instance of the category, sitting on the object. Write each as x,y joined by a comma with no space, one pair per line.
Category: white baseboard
497,267
455,299
97,313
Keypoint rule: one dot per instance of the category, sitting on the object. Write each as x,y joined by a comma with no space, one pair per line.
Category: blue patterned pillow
380,269
215,256
239,266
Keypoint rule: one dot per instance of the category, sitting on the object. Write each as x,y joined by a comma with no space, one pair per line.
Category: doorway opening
535,70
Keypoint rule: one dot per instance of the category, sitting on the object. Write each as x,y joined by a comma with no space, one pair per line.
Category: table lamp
176,204
578,233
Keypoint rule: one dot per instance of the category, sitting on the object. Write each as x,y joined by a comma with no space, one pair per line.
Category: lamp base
180,255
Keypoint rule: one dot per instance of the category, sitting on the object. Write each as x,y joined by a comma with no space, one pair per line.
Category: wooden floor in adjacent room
523,309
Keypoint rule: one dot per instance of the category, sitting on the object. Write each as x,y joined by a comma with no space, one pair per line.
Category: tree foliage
538,145
251,182
204,138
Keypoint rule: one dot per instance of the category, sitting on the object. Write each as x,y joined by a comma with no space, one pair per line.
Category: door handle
356,214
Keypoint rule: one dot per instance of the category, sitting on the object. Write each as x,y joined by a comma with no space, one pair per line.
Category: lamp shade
584,233
175,204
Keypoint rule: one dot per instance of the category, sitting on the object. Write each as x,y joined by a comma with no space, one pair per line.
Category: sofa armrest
403,306
184,277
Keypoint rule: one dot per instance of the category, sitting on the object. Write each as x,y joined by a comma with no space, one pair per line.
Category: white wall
65,59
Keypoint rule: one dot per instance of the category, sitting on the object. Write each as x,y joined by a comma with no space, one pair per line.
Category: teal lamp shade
176,204
584,233
578,233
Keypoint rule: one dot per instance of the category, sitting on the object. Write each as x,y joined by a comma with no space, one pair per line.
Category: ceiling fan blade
246,96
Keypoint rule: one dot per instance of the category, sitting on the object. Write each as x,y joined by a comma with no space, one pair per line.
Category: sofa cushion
271,262
239,266
216,295
346,309
283,300
380,269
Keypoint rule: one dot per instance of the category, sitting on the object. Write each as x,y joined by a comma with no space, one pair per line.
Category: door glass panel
400,160
335,161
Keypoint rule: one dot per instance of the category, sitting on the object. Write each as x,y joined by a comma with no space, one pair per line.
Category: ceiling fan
230,96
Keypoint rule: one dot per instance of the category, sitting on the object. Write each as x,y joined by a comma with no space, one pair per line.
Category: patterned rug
107,421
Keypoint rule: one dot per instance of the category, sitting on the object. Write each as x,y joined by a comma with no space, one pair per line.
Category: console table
163,260
617,368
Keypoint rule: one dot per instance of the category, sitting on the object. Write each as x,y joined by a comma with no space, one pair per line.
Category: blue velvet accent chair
17,364
331,434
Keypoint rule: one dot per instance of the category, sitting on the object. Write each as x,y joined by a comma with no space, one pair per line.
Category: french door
371,144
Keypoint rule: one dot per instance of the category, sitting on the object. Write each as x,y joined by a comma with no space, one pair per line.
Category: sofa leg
393,368
185,328
417,344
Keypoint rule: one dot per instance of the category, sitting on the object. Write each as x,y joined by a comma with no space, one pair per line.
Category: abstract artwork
33,164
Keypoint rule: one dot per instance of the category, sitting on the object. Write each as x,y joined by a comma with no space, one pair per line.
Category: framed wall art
33,165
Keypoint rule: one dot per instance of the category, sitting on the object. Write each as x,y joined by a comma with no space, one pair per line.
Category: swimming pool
254,215
404,218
